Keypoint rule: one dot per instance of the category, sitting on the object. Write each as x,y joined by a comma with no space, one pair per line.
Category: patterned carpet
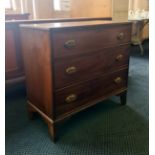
105,129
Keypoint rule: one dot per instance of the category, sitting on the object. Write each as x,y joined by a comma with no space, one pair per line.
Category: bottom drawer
72,97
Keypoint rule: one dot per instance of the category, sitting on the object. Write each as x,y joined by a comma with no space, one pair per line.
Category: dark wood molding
17,16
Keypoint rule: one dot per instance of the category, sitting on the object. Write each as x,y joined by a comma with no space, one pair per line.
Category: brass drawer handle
119,57
120,36
71,98
71,70
118,80
70,44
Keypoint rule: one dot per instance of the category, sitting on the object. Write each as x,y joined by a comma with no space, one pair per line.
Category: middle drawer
75,69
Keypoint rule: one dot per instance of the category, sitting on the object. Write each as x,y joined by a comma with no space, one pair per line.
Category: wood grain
13,57
90,90
17,16
10,51
37,60
101,40
98,67
89,65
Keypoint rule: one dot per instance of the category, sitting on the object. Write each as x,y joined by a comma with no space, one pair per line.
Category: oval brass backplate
120,36
71,70
71,98
118,80
119,57
70,44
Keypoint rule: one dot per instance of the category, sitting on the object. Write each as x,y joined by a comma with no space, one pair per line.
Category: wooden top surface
52,20
61,25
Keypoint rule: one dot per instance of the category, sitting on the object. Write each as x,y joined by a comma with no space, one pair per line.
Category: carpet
105,129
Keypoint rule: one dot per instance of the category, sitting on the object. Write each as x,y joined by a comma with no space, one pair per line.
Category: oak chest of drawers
72,66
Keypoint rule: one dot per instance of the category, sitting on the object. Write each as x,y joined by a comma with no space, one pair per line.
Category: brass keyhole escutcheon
119,57
120,36
71,70
118,80
71,98
70,44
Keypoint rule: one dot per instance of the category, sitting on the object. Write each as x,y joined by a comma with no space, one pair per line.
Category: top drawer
74,42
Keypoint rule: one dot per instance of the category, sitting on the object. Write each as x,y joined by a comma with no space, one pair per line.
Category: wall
139,4
79,8
91,8
120,9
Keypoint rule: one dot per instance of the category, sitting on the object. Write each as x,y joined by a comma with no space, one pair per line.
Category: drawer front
75,96
76,69
73,42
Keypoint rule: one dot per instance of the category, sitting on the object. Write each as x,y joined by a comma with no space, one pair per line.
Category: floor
105,129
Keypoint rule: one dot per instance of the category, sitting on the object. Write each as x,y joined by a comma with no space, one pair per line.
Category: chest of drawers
72,66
